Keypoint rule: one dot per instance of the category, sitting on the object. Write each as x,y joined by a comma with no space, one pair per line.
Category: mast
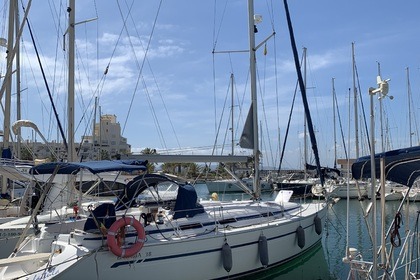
8,78
253,80
231,112
380,114
373,182
356,119
100,134
70,101
18,105
303,92
335,134
305,150
409,106
6,153
93,129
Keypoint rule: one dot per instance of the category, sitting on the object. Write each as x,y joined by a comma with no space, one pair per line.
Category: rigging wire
159,92
215,40
288,126
59,31
413,112
277,153
362,105
303,93
262,91
140,75
46,84
341,126
229,89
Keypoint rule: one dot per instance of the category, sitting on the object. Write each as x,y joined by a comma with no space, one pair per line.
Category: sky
170,62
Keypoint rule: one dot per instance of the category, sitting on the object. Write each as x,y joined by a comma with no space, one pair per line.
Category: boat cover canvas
136,186
186,204
324,170
401,166
103,215
6,153
93,166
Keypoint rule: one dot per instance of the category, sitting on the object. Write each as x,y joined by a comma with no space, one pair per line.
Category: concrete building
105,143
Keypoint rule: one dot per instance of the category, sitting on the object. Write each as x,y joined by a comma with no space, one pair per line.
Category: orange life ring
113,237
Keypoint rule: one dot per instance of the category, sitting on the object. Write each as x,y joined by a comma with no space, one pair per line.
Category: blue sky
183,94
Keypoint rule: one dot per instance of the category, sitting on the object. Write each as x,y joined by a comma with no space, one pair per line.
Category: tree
25,154
150,166
169,167
104,154
193,170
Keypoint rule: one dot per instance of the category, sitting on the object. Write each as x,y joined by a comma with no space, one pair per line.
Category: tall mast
253,76
8,96
380,114
8,90
94,130
18,105
70,102
409,106
231,116
335,134
305,150
356,119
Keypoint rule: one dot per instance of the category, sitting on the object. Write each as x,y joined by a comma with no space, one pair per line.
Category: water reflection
311,266
336,237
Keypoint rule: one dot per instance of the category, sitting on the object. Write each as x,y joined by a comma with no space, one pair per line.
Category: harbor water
325,261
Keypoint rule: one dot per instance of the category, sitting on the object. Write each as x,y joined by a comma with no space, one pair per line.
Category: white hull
394,196
184,254
414,194
231,185
341,190
11,231
353,192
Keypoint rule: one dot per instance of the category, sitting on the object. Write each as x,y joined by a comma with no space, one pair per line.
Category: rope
394,232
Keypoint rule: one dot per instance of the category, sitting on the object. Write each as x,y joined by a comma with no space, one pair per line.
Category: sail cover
324,170
247,138
186,204
401,166
93,166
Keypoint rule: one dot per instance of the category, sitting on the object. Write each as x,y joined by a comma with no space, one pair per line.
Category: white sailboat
184,240
10,169
60,201
57,204
344,187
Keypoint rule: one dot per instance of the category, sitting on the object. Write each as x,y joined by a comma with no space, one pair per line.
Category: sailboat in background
190,239
236,184
345,186
14,176
300,184
51,200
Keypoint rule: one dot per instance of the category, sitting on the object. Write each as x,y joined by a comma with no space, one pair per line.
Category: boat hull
299,189
194,256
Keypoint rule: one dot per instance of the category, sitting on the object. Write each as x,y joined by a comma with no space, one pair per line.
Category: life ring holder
114,234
